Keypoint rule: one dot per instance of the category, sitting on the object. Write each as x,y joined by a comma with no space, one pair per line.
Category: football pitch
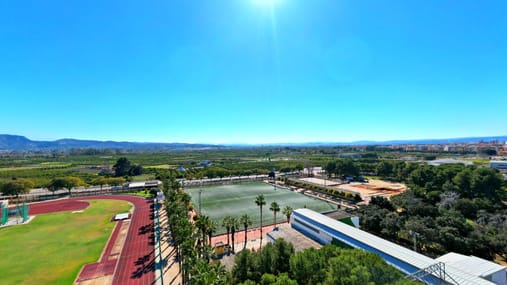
53,247
239,199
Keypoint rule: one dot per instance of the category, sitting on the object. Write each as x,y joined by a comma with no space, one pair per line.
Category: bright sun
265,2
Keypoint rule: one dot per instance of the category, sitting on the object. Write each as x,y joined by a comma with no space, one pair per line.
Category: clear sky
253,71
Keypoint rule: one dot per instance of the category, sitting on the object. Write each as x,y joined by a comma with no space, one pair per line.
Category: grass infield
53,247
239,199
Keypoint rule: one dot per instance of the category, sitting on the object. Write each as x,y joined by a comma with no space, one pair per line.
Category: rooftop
471,264
297,239
461,276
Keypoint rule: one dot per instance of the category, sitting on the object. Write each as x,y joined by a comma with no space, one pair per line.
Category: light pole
200,192
415,235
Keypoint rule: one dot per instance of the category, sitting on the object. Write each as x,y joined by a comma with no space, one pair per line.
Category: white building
438,162
476,266
326,230
143,185
501,165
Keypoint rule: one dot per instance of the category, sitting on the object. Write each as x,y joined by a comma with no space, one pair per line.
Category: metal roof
471,264
406,255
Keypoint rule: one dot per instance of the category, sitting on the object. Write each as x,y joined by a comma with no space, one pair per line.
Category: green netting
24,212
5,214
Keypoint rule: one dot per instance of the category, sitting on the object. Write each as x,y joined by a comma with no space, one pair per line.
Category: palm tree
226,223
260,201
287,211
234,227
202,223
275,208
211,229
246,221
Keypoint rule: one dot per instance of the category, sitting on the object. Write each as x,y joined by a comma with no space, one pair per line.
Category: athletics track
135,265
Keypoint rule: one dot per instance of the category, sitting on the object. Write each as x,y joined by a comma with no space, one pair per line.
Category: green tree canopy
16,187
67,182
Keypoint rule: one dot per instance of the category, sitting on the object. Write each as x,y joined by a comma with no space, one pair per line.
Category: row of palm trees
192,241
260,201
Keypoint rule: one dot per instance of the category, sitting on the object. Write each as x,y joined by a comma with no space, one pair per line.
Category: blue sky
252,71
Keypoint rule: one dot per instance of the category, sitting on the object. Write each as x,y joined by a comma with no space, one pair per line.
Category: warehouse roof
461,276
471,264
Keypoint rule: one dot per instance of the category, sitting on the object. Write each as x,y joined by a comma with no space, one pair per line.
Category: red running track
136,264
57,206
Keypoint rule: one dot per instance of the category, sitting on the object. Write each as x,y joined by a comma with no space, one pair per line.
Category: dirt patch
374,188
120,241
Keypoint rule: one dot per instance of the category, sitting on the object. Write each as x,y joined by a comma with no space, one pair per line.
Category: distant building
152,184
438,162
313,170
350,155
500,165
205,163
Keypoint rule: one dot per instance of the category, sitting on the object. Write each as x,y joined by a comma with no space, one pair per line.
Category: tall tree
287,211
211,229
227,224
260,201
122,167
246,221
234,228
275,208
330,168
203,222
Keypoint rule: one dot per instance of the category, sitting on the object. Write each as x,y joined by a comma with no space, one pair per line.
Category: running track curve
136,263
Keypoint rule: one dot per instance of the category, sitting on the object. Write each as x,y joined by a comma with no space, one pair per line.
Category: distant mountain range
21,143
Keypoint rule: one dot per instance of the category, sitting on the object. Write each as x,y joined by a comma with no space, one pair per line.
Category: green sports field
239,199
53,247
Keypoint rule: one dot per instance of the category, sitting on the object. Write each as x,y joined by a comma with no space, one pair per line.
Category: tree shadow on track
149,228
146,265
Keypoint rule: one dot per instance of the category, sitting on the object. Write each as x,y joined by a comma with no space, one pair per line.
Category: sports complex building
451,268
501,165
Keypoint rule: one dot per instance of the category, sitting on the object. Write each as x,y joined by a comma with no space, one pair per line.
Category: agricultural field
239,199
53,247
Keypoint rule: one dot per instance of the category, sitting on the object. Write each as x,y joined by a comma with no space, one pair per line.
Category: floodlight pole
200,192
415,235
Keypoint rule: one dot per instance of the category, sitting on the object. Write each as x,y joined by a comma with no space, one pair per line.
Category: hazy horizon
267,143
253,72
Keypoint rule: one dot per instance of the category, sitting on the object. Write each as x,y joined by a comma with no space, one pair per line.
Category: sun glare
265,2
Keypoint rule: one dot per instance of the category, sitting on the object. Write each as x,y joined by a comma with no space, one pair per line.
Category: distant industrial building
449,269
205,163
438,162
500,165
